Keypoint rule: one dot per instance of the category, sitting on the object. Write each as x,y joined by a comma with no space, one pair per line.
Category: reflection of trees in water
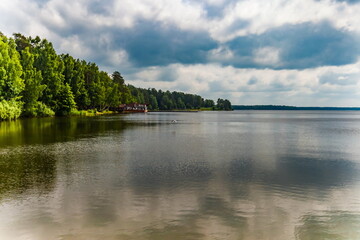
59,129
329,225
27,158
22,171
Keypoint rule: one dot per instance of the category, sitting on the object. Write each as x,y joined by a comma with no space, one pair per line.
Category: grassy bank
90,112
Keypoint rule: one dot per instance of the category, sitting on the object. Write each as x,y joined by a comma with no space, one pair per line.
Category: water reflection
31,169
332,225
52,130
210,176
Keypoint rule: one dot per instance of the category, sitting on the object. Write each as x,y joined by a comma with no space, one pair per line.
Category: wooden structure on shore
132,108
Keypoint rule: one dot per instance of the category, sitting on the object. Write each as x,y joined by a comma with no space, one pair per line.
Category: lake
209,175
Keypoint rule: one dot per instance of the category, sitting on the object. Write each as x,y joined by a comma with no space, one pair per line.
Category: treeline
36,81
166,100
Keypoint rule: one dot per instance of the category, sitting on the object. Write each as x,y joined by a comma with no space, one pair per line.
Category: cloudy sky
291,52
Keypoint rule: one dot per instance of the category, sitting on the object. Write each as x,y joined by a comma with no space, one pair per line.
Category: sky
281,52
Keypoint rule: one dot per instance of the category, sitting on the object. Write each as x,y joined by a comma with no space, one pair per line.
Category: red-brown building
133,108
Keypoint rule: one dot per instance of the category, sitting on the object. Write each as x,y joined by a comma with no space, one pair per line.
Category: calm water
234,175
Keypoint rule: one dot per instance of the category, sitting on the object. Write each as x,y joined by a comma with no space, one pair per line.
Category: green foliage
21,42
11,83
51,67
41,110
74,73
223,104
117,78
169,100
10,109
33,87
64,101
153,104
209,103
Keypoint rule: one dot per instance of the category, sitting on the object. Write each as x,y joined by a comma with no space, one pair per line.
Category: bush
43,111
37,109
10,110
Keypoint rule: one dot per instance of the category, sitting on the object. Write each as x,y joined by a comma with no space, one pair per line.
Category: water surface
211,175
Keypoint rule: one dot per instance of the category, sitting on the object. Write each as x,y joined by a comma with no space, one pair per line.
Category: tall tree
33,87
51,67
74,76
117,78
11,83
64,100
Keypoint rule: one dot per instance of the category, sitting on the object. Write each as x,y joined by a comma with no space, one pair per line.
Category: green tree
209,103
223,104
180,103
153,103
51,67
22,42
11,83
33,87
64,101
74,75
117,78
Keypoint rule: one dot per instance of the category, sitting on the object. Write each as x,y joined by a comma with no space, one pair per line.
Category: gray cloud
100,7
300,46
252,81
349,1
339,79
150,44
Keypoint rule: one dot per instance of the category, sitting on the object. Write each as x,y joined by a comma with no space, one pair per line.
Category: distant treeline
36,81
166,100
281,107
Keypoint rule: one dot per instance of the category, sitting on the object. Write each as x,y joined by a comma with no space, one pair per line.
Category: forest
35,81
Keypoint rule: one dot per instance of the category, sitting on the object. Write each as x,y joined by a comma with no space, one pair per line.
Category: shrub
37,109
10,110
43,111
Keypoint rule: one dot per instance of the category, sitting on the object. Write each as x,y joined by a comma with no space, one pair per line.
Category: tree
33,87
117,78
11,83
227,105
64,101
74,75
52,68
180,104
209,103
21,42
153,103
223,104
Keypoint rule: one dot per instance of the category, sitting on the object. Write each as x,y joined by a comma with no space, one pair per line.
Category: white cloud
119,58
267,56
258,16
75,46
262,15
289,87
221,54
